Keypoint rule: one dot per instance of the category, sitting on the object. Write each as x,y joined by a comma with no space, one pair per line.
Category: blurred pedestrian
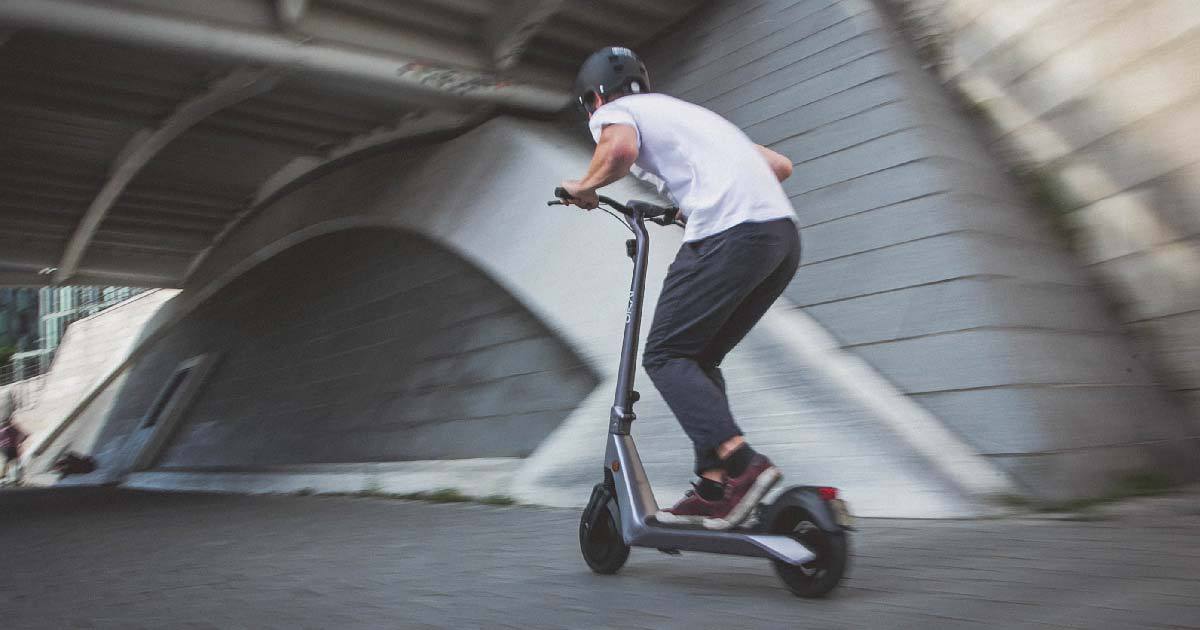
11,438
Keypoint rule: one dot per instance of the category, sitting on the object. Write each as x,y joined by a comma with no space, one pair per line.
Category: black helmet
608,71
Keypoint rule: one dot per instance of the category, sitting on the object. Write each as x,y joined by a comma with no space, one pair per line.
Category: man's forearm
606,168
615,154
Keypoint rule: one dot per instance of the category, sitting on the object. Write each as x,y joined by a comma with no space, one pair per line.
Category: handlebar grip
561,193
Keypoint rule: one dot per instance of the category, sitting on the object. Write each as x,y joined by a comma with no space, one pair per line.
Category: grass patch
1142,484
445,495
921,27
498,499
1014,501
1048,194
1072,505
442,495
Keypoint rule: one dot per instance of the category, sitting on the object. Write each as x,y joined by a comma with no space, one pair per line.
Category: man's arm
779,163
615,154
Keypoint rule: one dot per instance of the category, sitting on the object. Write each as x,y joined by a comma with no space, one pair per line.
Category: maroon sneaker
743,492
694,510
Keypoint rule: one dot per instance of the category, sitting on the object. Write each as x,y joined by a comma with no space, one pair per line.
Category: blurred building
36,320
59,306
18,318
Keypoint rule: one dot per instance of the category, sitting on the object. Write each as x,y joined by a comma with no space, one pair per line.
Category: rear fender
806,498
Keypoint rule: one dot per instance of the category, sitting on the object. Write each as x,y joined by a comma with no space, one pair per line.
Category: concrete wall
360,345
1103,99
919,254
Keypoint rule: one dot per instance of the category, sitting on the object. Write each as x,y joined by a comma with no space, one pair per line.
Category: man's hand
780,165
583,197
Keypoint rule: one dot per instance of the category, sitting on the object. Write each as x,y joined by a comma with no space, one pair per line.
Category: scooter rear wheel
603,548
821,575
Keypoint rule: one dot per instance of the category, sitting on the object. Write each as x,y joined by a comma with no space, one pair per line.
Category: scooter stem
622,411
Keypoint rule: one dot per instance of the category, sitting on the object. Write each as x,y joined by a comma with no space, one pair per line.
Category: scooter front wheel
603,548
820,575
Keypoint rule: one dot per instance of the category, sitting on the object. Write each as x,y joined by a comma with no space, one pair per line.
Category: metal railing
26,365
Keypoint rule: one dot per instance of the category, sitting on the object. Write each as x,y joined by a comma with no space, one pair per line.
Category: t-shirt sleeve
612,114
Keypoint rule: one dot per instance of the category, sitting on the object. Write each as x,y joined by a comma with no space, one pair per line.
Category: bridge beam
392,75
239,85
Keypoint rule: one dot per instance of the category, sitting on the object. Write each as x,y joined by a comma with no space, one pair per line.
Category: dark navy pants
714,293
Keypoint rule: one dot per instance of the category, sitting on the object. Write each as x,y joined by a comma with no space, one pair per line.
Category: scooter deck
749,526
737,542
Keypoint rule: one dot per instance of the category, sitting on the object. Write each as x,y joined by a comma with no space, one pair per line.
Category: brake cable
622,221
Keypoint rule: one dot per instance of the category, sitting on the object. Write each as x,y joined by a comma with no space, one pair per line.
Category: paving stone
106,558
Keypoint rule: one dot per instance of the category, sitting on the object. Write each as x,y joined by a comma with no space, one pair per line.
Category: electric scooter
803,531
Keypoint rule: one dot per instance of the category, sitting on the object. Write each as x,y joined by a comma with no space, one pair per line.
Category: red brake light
827,494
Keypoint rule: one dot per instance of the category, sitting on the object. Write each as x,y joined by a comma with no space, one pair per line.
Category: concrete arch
471,196
349,343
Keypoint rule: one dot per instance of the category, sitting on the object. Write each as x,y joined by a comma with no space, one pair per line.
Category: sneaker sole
667,518
740,512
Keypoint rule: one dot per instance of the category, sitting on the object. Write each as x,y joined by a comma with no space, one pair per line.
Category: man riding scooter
740,250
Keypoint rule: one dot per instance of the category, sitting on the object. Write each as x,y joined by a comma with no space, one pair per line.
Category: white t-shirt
700,161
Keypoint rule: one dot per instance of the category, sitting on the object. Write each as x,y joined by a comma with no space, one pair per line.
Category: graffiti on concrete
457,82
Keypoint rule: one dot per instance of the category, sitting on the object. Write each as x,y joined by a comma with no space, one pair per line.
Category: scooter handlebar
564,196
651,212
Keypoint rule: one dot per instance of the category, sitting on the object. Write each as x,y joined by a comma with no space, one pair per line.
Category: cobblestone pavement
87,558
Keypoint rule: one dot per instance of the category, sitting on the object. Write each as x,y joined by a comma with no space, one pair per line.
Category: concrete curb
474,477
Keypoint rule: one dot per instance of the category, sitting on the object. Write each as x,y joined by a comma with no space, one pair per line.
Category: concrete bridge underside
938,346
